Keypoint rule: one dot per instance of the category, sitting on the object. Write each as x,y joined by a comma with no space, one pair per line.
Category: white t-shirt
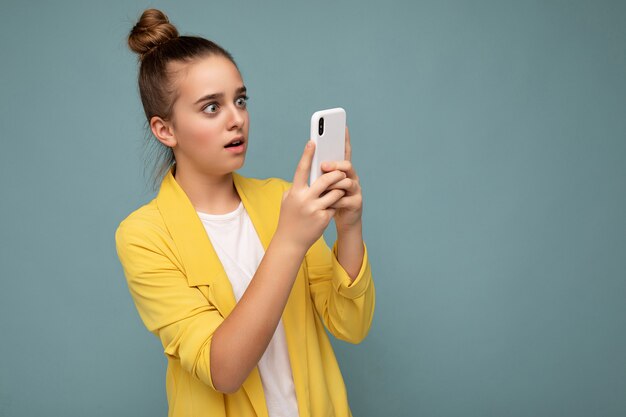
238,246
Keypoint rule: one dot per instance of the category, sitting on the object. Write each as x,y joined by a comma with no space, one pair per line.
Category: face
210,113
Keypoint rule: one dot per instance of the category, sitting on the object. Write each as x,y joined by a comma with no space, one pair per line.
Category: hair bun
152,29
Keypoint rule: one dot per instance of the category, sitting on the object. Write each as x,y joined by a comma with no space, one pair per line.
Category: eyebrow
207,97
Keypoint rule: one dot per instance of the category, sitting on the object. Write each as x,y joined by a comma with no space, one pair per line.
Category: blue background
490,139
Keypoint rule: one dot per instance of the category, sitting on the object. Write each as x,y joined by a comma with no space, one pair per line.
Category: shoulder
143,241
148,213
145,222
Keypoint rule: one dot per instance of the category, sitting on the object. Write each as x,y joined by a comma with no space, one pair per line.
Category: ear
162,130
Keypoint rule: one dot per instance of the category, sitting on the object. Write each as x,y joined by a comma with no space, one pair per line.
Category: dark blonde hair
157,42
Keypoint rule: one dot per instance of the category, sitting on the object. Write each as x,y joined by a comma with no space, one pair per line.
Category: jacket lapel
201,263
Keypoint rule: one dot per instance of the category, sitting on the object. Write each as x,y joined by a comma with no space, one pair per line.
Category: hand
349,208
304,214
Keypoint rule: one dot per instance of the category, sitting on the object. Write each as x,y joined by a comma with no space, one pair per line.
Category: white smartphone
328,131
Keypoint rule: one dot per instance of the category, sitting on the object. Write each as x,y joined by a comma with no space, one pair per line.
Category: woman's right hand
303,213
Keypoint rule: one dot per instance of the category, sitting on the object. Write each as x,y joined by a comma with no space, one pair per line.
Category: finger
345,166
329,199
325,181
354,202
347,184
303,170
348,152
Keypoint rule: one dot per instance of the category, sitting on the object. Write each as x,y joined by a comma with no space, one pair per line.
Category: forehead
208,75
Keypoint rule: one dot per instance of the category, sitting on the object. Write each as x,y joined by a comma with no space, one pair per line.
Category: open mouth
233,144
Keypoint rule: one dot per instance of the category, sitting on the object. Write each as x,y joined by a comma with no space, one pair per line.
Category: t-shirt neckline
221,217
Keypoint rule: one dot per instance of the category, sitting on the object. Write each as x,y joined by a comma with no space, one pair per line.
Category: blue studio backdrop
490,140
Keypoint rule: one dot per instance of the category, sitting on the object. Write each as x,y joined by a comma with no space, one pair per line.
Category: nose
237,118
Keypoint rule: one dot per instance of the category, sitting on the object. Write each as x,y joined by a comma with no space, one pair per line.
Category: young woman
232,273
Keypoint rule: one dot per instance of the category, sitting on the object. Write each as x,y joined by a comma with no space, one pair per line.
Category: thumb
303,170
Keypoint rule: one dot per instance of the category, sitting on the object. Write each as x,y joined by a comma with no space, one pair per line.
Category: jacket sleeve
346,307
180,315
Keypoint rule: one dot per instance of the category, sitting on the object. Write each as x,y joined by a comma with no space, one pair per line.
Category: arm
241,339
180,315
345,305
350,249
220,352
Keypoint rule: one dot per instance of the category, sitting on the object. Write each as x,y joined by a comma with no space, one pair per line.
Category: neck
213,194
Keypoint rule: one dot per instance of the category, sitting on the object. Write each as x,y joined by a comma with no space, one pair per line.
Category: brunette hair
157,42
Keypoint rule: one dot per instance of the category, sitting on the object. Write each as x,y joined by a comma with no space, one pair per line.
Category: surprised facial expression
210,122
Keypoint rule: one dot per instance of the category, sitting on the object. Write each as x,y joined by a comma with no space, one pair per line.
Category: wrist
350,250
352,230
288,246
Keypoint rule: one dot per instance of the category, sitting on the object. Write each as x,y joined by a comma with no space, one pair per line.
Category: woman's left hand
350,206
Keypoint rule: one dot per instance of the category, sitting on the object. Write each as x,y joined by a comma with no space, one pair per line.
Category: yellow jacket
182,294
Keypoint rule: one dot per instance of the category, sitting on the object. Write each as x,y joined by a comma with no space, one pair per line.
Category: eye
242,101
212,108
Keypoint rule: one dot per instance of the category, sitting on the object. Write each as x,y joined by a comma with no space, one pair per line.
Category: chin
239,165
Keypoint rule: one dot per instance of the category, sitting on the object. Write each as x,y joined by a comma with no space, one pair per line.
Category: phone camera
320,127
